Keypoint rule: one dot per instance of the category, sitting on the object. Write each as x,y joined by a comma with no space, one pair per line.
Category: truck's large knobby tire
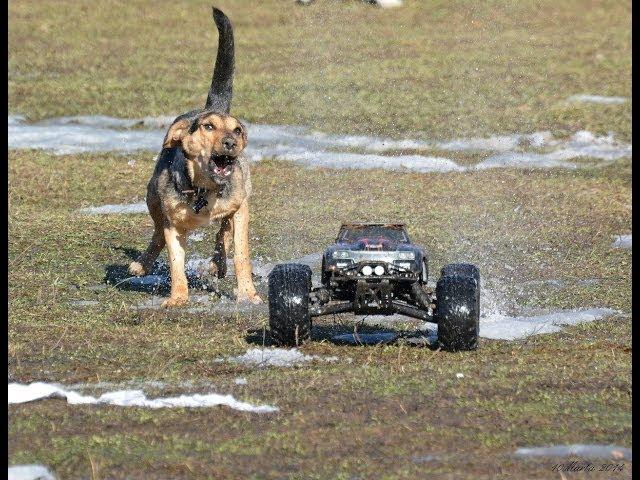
457,312
289,318
465,270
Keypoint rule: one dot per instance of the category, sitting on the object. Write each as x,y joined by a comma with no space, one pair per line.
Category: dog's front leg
241,259
224,237
176,241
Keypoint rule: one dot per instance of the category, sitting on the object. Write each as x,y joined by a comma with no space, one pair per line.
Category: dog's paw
174,302
137,269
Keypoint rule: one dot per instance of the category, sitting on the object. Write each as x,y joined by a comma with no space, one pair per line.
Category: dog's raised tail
221,91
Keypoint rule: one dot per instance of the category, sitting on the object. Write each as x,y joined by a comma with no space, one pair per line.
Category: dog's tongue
223,171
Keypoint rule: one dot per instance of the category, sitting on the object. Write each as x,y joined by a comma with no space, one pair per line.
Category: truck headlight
406,255
379,270
367,270
341,254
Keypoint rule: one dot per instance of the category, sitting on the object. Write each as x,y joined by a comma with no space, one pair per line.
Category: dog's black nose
229,143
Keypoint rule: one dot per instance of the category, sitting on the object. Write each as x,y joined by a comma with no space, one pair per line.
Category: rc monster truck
373,268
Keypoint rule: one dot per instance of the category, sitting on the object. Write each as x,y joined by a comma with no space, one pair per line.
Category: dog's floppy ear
176,133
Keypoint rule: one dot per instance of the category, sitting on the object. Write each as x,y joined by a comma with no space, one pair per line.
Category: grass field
447,68
441,69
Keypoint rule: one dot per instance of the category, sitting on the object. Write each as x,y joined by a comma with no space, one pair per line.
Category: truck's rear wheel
458,312
289,317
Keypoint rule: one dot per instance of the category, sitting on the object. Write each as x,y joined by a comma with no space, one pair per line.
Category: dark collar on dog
200,198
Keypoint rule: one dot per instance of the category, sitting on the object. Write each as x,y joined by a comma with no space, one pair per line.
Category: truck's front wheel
458,312
289,317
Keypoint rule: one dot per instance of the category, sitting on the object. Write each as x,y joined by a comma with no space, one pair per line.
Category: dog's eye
237,130
208,127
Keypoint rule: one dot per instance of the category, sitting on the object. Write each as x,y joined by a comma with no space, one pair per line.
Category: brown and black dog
201,176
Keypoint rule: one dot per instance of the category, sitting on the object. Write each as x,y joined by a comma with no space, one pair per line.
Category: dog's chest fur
179,208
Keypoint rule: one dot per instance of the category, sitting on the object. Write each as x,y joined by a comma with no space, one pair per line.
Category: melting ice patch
341,160
21,393
387,3
29,472
275,357
584,98
94,134
581,144
578,450
119,209
502,327
316,149
622,241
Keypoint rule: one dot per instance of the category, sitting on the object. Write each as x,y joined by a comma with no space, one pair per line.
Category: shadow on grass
156,282
368,335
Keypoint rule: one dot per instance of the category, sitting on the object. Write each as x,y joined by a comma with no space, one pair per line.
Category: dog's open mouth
222,166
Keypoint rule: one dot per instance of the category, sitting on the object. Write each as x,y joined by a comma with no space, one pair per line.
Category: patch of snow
315,149
502,327
63,137
100,121
127,208
20,393
459,375
275,357
196,237
498,143
622,241
577,450
524,160
340,160
388,3
15,120
584,98
29,472
240,381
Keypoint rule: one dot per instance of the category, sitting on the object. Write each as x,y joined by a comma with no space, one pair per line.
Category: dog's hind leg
224,237
144,263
